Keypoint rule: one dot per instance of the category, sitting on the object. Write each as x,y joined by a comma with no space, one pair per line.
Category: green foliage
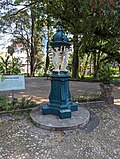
26,30
96,23
16,104
26,103
105,74
4,104
88,78
8,66
87,97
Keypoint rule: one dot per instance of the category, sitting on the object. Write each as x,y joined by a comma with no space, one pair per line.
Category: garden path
39,89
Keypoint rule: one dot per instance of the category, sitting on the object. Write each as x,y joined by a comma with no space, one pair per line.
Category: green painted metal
60,98
60,39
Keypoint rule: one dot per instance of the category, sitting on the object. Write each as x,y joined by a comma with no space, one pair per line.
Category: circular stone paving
51,122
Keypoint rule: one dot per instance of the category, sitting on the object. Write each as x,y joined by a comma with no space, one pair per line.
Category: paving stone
21,139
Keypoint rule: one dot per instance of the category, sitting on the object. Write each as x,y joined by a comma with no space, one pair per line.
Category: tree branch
20,10
20,4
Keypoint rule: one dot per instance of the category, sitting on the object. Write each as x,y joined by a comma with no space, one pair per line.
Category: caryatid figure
65,57
56,53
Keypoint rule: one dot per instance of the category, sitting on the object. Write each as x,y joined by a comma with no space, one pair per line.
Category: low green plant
4,103
23,103
116,80
87,97
106,74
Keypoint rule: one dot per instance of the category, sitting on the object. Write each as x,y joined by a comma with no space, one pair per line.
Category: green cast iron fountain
60,98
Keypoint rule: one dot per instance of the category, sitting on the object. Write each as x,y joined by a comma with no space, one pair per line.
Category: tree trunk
32,45
96,63
47,61
47,56
106,92
85,67
27,62
75,58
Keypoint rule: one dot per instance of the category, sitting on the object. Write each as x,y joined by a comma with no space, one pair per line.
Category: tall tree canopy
94,25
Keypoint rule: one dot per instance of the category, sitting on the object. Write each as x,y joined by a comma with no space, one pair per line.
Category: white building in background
20,52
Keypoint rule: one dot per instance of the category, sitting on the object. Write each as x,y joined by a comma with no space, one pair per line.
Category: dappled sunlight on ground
117,101
38,88
39,100
34,98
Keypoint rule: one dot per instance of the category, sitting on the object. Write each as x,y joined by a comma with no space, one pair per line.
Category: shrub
23,103
4,103
105,74
87,97
26,103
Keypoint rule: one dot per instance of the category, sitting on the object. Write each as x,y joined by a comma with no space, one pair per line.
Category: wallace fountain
60,113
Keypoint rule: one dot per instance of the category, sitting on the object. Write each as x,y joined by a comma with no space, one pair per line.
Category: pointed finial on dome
59,38
59,24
